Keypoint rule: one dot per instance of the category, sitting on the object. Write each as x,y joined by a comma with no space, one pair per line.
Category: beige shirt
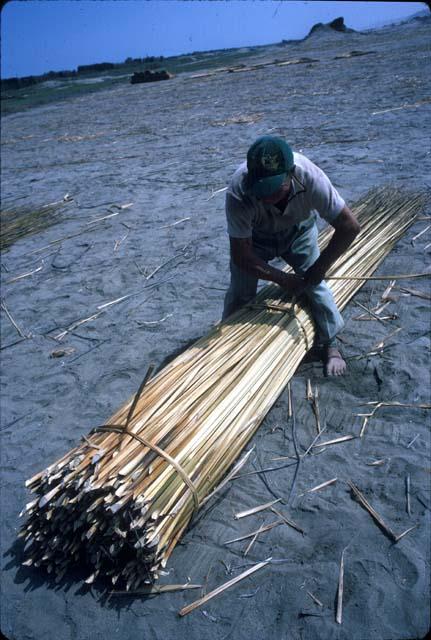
311,192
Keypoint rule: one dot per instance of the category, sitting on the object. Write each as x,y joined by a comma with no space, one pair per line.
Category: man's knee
303,251
233,302
242,289
243,286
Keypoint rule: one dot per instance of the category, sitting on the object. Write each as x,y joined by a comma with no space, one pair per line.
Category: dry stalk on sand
376,516
185,610
11,319
318,487
377,405
339,614
121,500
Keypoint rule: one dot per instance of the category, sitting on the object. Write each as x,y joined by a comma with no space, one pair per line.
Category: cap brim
267,186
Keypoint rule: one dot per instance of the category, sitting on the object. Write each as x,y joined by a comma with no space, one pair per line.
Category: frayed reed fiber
119,502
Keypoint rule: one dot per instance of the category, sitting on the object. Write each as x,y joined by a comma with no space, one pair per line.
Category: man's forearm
244,258
338,244
346,230
257,267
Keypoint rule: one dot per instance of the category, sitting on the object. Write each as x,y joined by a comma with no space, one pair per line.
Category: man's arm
245,258
346,229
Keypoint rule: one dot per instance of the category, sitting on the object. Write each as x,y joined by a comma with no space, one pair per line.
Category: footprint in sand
405,573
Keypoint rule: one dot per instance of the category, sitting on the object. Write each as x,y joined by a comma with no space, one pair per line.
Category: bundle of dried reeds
19,223
121,500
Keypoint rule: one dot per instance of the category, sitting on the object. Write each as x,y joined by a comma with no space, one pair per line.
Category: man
271,206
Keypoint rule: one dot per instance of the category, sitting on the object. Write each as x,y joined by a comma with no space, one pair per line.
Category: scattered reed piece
378,348
154,589
262,529
214,193
381,343
364,502
111,215
250,544
316,600
393,316
404,106
119,242
289,398
378,405
24,275
157,269
185,610
174,224
387,291
261,507
290,523
153,323
408,504
376,463
11,320
339,615
404,533
335,441
377,310
75,325
319,486
314,399
266,470
380,307
59,241
121,500
415,292
418,235
412,441
369,311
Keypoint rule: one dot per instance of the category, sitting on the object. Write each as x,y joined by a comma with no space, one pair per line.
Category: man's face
280,194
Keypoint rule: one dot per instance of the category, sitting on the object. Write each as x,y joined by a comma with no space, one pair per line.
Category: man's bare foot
334,362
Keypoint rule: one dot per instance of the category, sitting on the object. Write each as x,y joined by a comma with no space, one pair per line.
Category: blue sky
43,35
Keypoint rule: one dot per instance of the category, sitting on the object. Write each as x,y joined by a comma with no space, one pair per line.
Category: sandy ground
167,148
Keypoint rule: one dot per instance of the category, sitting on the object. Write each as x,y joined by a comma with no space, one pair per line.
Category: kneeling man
272,204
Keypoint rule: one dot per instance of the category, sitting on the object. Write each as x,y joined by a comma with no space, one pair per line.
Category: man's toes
341,369
335,366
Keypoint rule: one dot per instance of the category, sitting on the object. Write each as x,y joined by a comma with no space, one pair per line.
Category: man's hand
291,284
314,275
244,257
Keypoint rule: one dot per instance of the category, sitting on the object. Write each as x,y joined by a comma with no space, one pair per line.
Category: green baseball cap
269,161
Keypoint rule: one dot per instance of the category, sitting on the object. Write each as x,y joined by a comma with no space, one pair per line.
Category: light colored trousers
298,247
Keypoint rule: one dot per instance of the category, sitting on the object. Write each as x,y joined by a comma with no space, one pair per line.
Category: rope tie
121,429
296,316
290,309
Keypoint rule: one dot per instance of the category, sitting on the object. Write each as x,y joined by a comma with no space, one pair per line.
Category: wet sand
168,148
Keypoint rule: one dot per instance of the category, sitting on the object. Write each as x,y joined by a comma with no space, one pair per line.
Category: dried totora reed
121,499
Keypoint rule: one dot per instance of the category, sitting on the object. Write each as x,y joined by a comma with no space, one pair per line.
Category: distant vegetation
31,91
150,62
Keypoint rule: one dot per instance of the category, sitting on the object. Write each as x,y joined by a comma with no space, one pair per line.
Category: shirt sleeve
325,198
239,218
